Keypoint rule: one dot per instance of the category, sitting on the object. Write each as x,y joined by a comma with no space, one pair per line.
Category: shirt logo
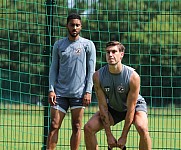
120,89
78,51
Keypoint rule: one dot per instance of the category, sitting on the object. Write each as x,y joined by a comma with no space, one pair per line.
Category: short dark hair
116,43
73,16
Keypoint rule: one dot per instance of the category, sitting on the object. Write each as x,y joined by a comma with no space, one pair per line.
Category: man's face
74,27
113,55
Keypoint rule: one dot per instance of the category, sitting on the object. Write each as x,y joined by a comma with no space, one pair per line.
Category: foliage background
149,29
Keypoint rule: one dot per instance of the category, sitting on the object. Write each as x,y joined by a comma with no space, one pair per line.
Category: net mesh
151,33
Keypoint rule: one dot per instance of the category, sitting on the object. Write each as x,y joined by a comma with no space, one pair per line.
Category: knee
54,126
88,129
141,123
76,126
142,130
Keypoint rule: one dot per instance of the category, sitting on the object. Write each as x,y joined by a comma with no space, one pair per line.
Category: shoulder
103,70
128,68
128,71
60,41
133,75
132,71
86,41
134,79
99,72
96,77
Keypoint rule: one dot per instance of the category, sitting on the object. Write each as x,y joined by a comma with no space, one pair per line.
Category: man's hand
87,99
112,142
121,142
52,98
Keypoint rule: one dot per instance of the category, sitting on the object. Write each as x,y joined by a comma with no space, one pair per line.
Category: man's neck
71,38
115,69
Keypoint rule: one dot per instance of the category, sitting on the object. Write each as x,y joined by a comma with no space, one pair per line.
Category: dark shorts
120,116
63,103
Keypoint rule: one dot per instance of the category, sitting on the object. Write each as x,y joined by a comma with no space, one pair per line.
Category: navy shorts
120,116
63,103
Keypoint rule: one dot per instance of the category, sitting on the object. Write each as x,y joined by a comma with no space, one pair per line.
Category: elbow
103,111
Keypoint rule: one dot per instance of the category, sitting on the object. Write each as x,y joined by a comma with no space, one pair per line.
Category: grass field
21,128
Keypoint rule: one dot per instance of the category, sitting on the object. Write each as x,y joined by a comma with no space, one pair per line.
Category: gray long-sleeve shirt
72,67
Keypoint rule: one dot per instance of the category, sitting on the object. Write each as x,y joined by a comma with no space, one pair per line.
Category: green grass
21,128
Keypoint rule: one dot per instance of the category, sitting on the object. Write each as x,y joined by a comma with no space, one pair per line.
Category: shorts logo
120,89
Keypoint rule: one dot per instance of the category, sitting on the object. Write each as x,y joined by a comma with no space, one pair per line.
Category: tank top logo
107,89
120,89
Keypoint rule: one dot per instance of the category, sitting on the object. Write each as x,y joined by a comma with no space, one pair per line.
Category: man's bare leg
56,121
90,129
77,115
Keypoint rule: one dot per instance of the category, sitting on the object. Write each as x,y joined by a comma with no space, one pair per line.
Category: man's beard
73,35
113,63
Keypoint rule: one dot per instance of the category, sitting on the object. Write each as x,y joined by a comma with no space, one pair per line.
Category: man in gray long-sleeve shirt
70,81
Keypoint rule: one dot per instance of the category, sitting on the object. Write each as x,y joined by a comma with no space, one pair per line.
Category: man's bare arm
131,103
102,104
